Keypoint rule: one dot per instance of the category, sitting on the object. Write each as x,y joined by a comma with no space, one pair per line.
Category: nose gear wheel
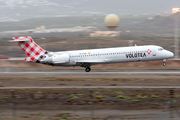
164,63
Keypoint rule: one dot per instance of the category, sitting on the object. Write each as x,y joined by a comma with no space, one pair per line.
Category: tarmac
86,73
92,87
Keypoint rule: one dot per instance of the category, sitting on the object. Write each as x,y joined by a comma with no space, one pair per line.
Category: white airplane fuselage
108,55
86,58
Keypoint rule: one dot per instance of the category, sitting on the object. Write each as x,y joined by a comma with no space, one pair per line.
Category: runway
85,73
93,87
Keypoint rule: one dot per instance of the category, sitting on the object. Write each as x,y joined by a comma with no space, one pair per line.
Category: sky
24,9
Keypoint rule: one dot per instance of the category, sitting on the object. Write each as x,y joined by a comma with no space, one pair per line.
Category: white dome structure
112,21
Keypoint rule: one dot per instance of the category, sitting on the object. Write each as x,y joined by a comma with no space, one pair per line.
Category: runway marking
85,73
92,87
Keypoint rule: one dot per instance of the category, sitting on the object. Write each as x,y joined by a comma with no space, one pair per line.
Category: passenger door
154,52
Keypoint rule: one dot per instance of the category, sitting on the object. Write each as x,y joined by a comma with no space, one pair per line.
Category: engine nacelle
47,59
58,59
52,58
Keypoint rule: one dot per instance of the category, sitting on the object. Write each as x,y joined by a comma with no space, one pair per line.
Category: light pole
176,12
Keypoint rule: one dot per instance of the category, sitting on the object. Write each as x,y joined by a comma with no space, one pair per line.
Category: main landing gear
88,69
86,66
164,63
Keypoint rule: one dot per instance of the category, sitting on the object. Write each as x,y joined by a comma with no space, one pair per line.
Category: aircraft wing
95,61
12,59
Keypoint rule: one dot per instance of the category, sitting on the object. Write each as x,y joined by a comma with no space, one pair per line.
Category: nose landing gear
164,63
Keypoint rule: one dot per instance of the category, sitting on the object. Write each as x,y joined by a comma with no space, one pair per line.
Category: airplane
87,58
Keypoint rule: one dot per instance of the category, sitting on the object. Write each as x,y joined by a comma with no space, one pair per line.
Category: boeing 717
87,58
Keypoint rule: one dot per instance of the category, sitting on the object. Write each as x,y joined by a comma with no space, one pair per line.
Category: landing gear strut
164,63
86,66
88,69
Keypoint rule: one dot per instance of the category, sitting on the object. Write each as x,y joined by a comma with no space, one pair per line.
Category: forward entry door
154,52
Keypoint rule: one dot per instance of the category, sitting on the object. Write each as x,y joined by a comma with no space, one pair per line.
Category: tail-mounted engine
52,58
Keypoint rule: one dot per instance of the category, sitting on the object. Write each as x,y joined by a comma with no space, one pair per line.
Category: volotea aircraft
86,58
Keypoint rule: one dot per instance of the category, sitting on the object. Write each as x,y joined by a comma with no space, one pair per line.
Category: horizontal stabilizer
11,59
20,39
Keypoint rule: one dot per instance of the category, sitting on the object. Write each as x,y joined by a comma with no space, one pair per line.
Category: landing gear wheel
164,63
88,69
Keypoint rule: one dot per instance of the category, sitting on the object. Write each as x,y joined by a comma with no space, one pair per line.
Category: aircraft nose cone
171,54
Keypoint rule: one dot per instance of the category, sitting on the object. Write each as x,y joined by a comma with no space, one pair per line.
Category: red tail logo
29,47
32,50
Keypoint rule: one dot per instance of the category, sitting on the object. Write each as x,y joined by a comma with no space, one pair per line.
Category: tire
164,64
88,69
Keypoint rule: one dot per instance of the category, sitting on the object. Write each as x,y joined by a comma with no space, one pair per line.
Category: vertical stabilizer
32,50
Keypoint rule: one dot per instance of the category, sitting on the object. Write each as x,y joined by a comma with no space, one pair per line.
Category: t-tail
34,52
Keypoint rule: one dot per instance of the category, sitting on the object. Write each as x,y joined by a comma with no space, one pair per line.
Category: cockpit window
160,49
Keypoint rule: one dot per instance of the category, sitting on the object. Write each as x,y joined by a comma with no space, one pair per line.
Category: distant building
175,10
105,34
41,28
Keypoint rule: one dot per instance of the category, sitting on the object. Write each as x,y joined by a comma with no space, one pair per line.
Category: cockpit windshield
160,49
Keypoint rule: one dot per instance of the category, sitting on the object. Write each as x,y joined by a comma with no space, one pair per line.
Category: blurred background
63,19
62,25
137,17
59,25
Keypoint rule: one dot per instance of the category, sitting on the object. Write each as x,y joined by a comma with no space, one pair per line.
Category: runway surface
83,73
90,87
